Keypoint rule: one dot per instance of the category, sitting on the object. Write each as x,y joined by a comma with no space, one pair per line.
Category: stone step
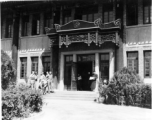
72,95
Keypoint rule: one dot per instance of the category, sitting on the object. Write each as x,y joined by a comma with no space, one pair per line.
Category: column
111,65
28,65
141,62
61,82
40,66
97,70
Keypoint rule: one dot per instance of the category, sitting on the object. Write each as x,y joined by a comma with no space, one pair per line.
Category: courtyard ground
55,109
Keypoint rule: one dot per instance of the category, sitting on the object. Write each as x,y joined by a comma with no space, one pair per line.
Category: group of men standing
43,81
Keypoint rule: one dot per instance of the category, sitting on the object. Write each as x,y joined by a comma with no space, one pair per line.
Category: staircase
72,95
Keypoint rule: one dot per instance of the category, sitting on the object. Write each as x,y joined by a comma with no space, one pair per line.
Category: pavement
55,109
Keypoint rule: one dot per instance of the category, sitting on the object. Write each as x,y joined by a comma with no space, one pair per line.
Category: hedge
20,102
126,88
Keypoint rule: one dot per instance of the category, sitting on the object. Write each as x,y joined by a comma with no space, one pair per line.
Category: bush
8,70
127,88
20,102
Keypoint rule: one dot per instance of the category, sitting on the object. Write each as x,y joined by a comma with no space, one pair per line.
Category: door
84,69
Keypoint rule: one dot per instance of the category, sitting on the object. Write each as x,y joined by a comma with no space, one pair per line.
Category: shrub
127,88
8,70
20,102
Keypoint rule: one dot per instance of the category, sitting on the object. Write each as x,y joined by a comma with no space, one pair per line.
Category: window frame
135,60
34,64
149,11
150,69
25,20
22,62
107,7
46,64
130,22
9,28
35,25
104,63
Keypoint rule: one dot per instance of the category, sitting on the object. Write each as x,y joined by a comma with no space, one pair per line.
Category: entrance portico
96,66
85,47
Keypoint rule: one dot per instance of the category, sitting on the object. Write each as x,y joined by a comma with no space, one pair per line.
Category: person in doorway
32,79
93,79
79,82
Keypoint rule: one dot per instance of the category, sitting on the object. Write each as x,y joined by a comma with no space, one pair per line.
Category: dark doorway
84,69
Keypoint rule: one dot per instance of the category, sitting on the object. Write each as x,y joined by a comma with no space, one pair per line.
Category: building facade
78,37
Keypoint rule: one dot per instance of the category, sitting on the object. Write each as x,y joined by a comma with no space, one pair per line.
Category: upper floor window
132,61
132,12
36,24
108,11
147,64
8,30
48,21
88,13
66,16
147,11
23,69
25,25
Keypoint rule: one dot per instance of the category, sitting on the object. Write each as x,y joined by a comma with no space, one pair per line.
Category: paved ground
89,110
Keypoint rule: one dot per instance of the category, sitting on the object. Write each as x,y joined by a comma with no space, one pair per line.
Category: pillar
28,65
111,65
97,70
40,66
61,82
141,62
15,40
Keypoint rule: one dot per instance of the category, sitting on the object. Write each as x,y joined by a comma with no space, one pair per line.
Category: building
78,37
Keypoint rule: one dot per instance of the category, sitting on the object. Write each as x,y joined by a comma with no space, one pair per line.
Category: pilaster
61,82
141,62
40,66
97,70
111,65
28,65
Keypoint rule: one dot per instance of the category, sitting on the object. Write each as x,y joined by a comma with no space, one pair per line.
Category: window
66,16
9,25
147,63
48,21
25,24
34,64
132,61
90,13
132,12
147,11
23,69
108,12
36,24
68,58
104,66
46,63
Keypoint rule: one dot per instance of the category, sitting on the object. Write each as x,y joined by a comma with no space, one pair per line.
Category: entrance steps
72,95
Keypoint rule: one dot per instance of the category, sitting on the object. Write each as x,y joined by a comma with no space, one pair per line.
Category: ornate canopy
87,32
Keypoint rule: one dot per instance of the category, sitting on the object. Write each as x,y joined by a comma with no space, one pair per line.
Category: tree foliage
8,71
